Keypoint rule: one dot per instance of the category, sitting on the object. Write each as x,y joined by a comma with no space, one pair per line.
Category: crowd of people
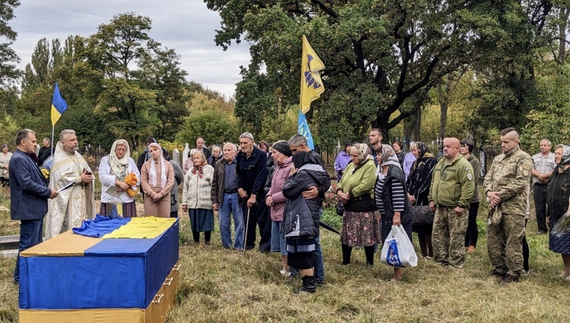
279,189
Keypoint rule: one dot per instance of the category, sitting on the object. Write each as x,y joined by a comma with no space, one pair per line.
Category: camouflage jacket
510,175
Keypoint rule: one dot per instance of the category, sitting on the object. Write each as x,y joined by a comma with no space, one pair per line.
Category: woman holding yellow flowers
120,181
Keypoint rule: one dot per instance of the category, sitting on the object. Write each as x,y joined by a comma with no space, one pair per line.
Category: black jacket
301,216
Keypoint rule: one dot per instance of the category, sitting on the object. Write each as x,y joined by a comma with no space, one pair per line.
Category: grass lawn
219,285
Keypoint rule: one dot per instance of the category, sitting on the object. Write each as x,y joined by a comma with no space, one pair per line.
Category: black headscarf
301,158
422,149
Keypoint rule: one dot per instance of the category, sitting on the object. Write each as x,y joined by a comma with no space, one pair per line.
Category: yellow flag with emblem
311,84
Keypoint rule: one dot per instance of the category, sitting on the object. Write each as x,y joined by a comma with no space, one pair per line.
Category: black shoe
309,285
497,273
509,279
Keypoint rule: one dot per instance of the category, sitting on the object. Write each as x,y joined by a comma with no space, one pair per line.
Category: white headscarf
152,173
119,167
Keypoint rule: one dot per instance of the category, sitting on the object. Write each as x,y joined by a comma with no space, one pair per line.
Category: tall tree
378,54
8,58
114,50
160,71
507,88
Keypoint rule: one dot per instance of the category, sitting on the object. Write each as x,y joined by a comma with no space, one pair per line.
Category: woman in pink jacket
281,154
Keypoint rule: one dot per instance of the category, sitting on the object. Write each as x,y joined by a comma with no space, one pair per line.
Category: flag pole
52,134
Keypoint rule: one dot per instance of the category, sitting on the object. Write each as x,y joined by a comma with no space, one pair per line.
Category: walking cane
246,228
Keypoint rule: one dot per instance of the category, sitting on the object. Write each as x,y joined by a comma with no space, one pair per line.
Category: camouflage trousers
448,236
505,244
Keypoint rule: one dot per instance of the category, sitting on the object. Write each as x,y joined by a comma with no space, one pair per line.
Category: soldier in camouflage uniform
450,193
506,186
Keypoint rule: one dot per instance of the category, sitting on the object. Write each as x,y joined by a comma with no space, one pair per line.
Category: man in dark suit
29,193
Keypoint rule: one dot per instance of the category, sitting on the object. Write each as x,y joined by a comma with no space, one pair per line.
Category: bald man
506,187
450,194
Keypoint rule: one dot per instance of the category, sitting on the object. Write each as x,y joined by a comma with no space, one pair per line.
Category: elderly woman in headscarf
197,197
391,198
300,225
120,180
558,195
157,178
418,184
360,221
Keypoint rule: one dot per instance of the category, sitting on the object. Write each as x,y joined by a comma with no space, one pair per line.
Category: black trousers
472,232
259,214
540,198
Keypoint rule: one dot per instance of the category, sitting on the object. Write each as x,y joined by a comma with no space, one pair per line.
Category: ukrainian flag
58,105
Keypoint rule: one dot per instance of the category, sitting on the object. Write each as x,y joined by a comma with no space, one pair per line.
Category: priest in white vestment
73,204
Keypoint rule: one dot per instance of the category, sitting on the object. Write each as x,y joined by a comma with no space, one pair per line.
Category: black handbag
362,203
339,208
422,215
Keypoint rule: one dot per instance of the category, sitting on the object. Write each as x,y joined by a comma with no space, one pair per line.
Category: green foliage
210,125
118,83
9,71
378,56
8,130
548,118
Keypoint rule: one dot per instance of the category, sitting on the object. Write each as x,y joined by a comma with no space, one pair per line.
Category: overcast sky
186,26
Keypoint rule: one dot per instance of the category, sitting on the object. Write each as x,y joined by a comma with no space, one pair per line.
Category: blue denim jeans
278,243
230,204
319,261
30,235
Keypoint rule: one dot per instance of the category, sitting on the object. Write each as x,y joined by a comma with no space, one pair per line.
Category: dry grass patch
218,285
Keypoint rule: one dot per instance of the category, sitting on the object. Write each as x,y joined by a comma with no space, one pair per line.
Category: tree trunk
562,37
443,104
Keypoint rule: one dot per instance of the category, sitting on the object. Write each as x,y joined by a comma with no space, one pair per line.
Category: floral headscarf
363,153
388,156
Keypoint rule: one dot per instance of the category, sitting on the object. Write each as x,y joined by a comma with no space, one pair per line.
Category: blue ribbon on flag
303,129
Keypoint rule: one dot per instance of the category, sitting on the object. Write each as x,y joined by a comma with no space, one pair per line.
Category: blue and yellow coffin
118,275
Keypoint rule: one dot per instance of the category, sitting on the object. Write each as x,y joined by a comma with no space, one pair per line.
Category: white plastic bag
398,250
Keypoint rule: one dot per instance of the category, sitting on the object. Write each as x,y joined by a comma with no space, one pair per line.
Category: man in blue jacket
29,193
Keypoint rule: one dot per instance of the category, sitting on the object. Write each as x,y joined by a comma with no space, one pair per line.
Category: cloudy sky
186,26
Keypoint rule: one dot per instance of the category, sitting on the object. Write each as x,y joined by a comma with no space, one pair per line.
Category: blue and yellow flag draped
58,105
311,84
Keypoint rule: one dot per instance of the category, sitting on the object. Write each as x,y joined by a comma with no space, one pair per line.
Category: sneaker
285,273
471,249
509,279
497,273
540,232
